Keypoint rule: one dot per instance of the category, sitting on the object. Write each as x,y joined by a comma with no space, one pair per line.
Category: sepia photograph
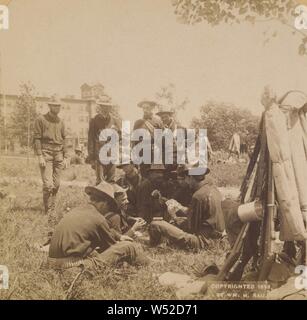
153,150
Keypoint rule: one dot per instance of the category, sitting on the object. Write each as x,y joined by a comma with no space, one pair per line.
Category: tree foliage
215,12
229,11
168,97
21,122
223,120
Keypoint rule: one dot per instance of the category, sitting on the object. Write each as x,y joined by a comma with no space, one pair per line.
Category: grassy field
23,224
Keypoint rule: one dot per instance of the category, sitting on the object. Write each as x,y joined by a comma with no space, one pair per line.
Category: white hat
149,102
54,101
167,110
104,103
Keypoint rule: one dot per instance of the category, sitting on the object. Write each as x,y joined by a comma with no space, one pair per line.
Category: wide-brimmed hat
104,190
54,101
195,169
152,104
104,103
121,165
165,110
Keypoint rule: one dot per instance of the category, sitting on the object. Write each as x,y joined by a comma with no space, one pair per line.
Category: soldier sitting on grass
205,217
83,236
119,220
139,191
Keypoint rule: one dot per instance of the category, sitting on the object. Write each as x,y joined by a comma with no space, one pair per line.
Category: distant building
75,112
92,91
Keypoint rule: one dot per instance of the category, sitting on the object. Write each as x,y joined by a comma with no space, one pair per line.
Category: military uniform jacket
81,231
206,209
95,127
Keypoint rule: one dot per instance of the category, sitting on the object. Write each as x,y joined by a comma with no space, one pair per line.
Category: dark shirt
97,124
206,215
139,196
49,133
149,124
120,222
81,231
178,144
179,191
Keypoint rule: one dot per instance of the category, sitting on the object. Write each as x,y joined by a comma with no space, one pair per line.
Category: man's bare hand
138,224
41,161
156,194
125,238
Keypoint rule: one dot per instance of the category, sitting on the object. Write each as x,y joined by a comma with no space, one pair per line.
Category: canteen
251,211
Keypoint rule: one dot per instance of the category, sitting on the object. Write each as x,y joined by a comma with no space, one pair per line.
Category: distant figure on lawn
78,157
149,122
50,148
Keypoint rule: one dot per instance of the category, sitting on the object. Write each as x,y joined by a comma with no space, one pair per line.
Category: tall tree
222,120
167,96
22,119
215,12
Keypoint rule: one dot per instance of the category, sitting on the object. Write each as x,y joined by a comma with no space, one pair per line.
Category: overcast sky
135,46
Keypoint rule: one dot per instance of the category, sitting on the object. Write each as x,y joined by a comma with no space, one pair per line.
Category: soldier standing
167,117
103,120
150,122
51,150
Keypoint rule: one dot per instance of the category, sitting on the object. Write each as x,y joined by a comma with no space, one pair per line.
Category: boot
46,196
52,217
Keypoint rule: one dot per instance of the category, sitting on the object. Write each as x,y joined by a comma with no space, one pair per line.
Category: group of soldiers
147,204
